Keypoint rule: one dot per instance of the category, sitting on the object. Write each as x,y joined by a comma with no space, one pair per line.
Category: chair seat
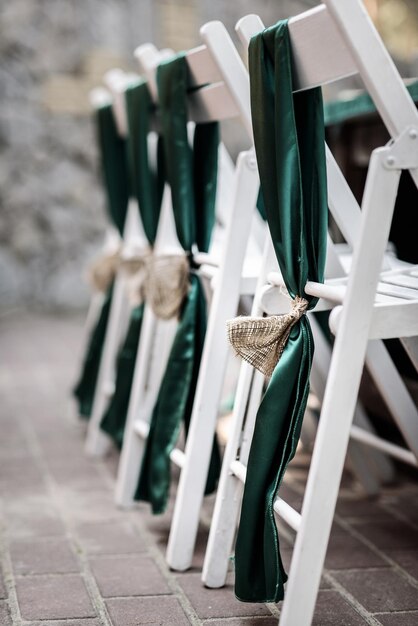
396,303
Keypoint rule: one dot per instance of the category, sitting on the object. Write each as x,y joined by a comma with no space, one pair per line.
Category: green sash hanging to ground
192,176
147,186
289,142
115,177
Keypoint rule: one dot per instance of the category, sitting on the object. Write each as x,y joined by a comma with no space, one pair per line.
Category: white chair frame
208,103
330,42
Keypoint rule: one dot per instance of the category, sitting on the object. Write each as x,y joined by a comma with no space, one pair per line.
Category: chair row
169,369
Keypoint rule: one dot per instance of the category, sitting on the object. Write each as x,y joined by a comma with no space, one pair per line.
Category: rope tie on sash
261,340
102,271
135,266
167,284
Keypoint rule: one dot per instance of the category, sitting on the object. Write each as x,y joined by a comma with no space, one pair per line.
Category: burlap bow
102,271
135,268
261,340
167,284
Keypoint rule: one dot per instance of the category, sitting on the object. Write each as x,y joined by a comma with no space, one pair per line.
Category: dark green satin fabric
85,387
112,151
192,174
175,403
114,166
147,185
289,142
114,418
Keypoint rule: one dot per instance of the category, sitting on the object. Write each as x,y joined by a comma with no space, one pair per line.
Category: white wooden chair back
209,101
328,43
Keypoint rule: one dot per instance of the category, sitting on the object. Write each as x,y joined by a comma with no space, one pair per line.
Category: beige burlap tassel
102,271
136,271
167,284
261,340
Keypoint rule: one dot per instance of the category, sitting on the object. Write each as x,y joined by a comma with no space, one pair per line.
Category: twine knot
167,284
102,271
261,340
135,267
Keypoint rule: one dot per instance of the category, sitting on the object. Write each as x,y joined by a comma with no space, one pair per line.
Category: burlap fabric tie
135,268
261,340
102,271
167,284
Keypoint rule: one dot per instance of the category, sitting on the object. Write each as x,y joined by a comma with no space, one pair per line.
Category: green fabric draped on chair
147,186
289,142
112,151
192,175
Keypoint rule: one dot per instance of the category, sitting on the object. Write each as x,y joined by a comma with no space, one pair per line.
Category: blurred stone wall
52,52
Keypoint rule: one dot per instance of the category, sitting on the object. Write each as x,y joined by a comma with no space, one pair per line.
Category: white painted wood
226,290
287,513
202,69
207,398
212,103
97,442
227,504
178,457
231,67
410,345
142,403
340,395
350,349
386,446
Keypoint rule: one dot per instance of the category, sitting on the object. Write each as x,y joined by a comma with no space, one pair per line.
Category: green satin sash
192,174
289,142
147,185
115,178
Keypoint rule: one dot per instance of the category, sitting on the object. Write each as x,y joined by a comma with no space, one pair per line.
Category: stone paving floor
69,557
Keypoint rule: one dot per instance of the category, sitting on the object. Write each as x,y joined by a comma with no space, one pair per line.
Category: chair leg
206,403
228,499
340,395
370,467
393,390
410,345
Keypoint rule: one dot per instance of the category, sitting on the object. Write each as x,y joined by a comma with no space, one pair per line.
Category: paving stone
89,506
346,552
82,477
217,602
407,559
399,619
380,589
161,611
5,617
53,597
408,506
110,538
67,622
243,621
46,556
128,576
385,535
333,610
363,508
32,516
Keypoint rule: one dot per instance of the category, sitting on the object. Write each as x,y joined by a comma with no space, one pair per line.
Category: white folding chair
197,451
212,102
328,43
134,240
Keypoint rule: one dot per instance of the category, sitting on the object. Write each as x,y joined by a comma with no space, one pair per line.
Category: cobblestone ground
69,557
